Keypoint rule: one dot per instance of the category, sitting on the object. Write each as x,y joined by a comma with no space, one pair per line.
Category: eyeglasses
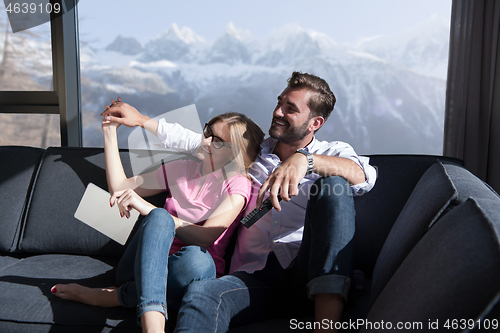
217,142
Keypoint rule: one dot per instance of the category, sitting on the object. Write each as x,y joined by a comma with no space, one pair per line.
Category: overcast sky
345,21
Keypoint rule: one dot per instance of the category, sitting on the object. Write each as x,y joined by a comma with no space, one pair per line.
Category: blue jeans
323,265
148,277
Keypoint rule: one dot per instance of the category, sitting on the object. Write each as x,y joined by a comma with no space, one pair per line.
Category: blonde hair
246,137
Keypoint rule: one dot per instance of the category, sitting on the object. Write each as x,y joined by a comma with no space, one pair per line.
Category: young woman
185,240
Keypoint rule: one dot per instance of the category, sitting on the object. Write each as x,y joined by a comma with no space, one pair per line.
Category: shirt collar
310,146
267,146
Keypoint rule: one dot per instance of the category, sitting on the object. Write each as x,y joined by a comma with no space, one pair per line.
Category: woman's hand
109,122
128,200
123,113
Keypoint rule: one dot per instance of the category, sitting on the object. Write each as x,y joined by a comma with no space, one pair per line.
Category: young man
298,256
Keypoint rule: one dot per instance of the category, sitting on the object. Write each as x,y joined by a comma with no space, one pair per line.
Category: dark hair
322,102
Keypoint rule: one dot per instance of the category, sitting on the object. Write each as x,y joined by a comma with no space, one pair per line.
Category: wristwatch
310,163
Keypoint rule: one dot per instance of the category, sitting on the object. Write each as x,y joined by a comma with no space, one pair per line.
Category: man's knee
331,189
203,291
195,260
331,201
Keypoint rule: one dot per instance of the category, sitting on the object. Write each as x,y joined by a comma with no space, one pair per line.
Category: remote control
257,213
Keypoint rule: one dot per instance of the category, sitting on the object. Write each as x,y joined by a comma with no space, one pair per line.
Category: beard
291,134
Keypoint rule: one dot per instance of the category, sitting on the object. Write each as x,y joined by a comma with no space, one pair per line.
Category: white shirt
280,232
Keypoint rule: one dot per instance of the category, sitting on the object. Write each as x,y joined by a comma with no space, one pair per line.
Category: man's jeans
323,265
148,277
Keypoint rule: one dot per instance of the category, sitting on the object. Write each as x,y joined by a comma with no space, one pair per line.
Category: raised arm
171,135
125,114
145,185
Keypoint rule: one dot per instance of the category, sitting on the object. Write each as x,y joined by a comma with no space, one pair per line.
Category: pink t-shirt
189,202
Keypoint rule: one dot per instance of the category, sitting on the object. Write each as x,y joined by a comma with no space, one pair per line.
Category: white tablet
95,211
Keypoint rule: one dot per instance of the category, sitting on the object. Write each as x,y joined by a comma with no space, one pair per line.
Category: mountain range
390,89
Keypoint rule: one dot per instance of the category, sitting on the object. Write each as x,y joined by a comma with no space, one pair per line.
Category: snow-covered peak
434,27
231,31
183,34
423,48
281,38
231,47
173,44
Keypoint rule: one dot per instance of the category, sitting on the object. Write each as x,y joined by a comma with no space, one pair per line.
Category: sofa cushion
6,261
50,224
25,295
441,188
468,185
377,210
429,199
452,273
18,167
64,174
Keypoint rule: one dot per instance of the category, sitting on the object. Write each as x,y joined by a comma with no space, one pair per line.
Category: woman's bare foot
105,297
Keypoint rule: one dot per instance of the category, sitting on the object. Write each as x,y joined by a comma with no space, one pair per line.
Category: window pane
386,62
36,130
25,57
26,65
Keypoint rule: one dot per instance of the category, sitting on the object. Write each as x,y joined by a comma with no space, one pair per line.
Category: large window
385,60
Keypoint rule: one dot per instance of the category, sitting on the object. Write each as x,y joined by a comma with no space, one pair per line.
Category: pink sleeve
238,185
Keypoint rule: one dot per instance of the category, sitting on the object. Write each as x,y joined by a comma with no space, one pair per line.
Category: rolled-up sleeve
371,177
342,149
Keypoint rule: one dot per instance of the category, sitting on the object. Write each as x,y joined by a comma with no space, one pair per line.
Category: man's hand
285,177
124,113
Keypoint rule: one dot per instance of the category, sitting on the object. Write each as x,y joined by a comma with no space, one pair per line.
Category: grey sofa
427,247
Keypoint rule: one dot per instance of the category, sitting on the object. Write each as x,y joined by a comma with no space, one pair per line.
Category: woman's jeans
148,277
323,266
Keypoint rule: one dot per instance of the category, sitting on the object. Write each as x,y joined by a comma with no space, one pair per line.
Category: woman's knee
159,218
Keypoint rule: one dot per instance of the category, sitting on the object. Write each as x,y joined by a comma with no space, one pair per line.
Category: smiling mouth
279,122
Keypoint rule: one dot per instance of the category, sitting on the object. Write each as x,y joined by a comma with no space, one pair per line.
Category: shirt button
275,222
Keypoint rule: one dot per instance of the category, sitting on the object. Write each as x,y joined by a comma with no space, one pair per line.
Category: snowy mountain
125,45
390,90
173,44
423,49
229,48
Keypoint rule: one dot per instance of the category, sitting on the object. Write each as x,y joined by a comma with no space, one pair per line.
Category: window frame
65,99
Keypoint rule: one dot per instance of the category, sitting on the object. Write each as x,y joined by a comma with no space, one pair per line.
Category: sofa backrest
441,188
17,170
50,225
377,210
450,275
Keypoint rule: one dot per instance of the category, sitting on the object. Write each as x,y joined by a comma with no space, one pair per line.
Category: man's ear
316,123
